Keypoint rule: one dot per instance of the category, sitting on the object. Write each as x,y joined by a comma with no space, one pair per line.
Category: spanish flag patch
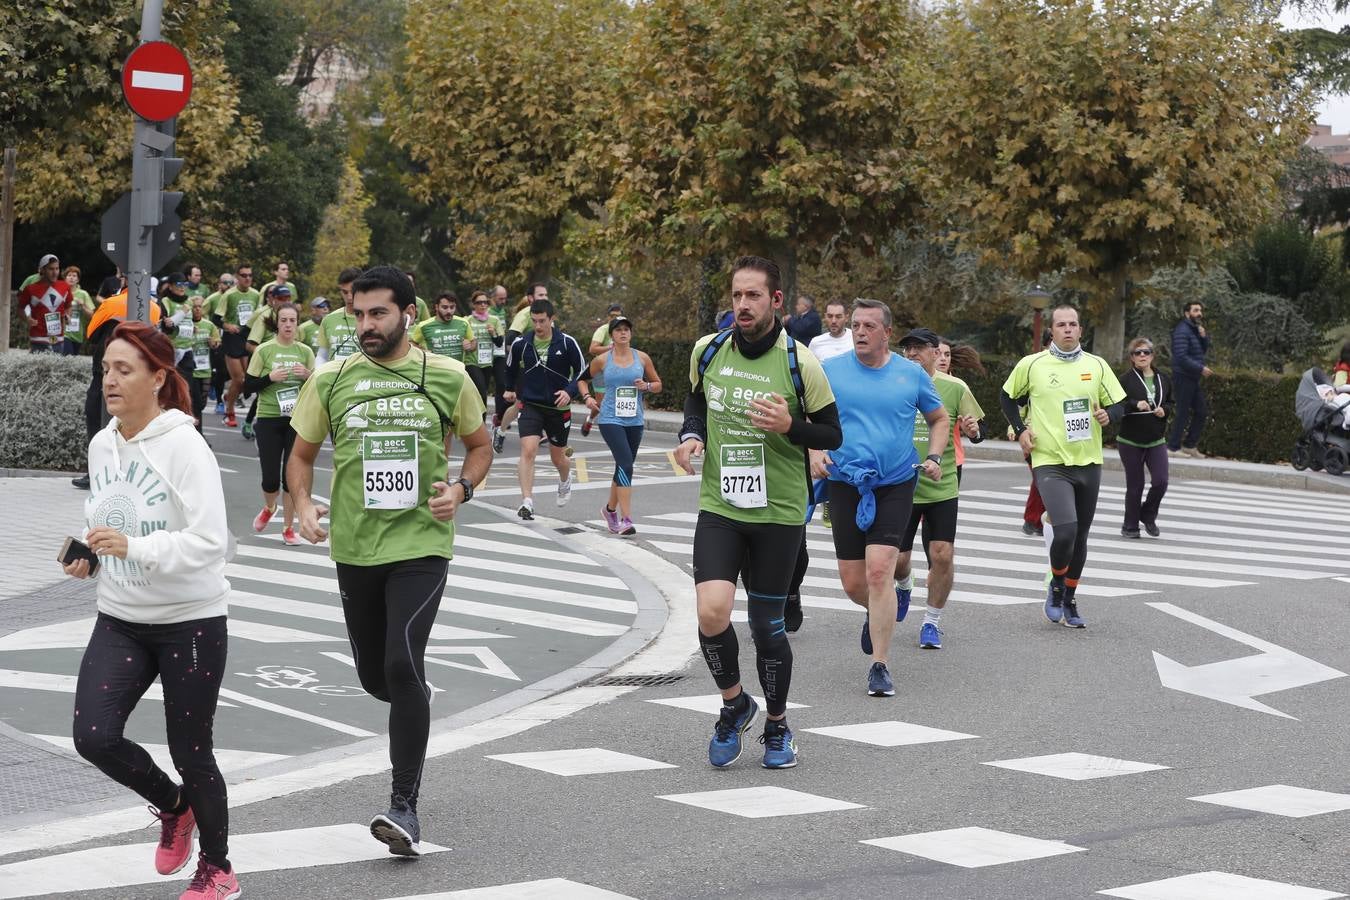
1086,376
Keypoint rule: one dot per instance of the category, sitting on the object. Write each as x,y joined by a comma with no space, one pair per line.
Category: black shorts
763,552
940,519
888,527
536,421
235,344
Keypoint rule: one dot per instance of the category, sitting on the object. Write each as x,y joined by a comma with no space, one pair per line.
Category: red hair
157,351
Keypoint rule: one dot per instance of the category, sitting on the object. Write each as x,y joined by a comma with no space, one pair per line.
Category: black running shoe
398,828
792,613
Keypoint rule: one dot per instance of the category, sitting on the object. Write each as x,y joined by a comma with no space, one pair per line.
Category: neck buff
1066,355
757,348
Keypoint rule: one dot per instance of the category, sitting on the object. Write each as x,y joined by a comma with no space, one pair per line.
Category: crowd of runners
872,437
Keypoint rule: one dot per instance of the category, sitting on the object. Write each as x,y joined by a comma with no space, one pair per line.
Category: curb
650,622
37,473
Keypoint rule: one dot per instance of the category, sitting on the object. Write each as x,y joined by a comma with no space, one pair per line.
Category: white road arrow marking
491,663
1238,681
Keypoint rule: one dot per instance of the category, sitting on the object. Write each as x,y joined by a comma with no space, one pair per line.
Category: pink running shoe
175,840
211,883
626,526
611,518
291,538
263,517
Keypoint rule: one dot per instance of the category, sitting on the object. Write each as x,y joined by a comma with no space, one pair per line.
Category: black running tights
119,665
1070,496
390,610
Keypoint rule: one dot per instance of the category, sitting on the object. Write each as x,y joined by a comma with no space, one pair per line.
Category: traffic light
160,168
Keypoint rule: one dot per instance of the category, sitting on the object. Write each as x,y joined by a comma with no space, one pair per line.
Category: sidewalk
1229,470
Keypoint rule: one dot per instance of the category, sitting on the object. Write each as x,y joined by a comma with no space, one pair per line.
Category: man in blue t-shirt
872,475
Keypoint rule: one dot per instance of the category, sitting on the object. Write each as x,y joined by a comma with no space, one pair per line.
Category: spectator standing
77,316
1190,343
1148,400
44,303
1340,373
805,325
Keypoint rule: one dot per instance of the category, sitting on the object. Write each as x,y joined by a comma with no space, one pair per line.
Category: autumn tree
1107,138
773,126
500,122
344,236
61,100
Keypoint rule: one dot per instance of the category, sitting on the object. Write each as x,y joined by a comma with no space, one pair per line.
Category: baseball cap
281,290
177,278
47,260
615,308
319,301
621,320
921,336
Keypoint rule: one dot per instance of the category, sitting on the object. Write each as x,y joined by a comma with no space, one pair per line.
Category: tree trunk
708,293
544,250
6,243
1109,340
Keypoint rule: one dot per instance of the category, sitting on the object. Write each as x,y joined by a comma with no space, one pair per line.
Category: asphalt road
1023,760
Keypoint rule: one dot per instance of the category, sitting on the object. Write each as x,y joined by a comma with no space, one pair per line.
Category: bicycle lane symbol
298,678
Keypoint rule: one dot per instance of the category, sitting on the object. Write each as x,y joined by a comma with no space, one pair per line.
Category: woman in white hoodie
156,520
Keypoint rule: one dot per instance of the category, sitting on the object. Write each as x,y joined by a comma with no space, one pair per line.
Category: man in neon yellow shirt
1070,394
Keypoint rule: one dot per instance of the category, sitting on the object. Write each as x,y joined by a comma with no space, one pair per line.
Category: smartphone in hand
73,550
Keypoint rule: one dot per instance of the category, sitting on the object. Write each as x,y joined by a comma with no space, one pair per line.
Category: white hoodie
162,490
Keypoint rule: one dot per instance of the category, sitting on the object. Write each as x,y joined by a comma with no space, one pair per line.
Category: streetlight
1039,298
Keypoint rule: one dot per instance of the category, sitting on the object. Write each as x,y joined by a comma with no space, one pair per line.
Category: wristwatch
468,489
934,458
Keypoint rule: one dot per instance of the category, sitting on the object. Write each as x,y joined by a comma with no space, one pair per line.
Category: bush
42,411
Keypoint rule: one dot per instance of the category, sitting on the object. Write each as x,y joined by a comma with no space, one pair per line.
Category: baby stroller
1322,408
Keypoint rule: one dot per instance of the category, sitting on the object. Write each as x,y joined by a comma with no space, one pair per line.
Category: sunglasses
1142,352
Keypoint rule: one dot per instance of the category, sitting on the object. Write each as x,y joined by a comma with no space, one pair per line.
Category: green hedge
42,411
1251,413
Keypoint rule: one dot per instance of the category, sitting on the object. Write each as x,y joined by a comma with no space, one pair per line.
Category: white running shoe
565,490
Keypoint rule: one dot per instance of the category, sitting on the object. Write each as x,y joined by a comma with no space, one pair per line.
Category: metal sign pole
145,186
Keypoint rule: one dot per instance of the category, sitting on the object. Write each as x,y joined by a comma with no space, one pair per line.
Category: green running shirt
388,450
337,334
1062,398
279,397
752,475
445,338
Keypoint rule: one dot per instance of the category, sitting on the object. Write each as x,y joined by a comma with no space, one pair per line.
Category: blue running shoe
929,637
1071,617
1054,605
879,682
220,407
725,746
866,641
780,750
902,596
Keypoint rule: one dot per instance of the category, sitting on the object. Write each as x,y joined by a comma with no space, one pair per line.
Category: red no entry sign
157,81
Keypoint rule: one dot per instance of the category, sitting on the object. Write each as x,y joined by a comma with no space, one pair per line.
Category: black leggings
499,385
1070,497
478,375
725,548
390,610
120,663
275,437
623,441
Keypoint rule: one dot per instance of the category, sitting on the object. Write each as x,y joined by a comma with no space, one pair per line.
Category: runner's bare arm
300,481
